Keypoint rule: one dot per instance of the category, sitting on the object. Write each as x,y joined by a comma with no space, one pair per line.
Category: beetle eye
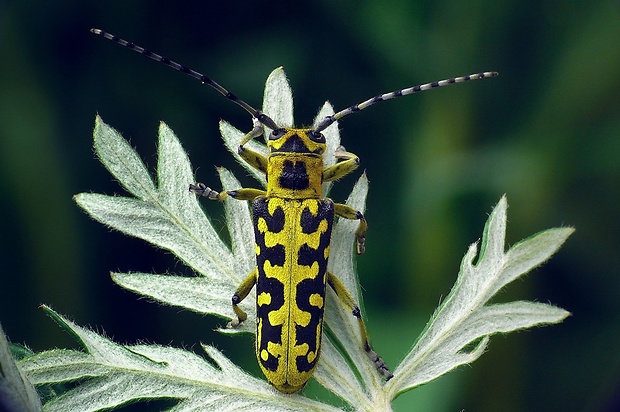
276,134
316,136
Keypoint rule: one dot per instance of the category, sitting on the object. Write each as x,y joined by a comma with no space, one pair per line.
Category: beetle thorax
295,164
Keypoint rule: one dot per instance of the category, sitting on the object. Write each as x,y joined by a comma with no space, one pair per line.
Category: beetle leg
241,293
345,297
240,194
350,163
348,212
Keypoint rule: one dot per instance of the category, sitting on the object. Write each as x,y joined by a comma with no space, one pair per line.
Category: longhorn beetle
292,228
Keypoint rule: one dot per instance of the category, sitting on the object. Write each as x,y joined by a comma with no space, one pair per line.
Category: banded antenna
257,114
325,123
266,120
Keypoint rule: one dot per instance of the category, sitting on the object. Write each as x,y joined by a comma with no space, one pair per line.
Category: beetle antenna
325,123
258,114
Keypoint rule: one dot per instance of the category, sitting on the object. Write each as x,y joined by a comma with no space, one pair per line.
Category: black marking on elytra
275,222
294,175
272,362
310,222
308,333
308,256
268,332
275,255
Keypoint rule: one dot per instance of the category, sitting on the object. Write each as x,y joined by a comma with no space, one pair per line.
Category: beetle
293,222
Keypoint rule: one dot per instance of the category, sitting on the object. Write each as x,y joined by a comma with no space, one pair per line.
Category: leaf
278,99
16,391
168,216
467,318
113,375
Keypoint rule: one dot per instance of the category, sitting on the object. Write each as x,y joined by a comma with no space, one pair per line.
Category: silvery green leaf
168,216
16,391
112,375
278,99
466,317
194,293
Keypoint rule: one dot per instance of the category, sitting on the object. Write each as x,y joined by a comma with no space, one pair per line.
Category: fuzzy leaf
168,216
113,375
466,317
278,99
16,391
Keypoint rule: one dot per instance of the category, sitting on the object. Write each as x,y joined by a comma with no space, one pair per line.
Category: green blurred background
546,133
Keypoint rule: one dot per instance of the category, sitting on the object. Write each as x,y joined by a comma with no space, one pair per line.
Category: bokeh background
546,133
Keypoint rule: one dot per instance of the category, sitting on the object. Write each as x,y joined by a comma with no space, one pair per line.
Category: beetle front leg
240,194
350,163
254,159
257,130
